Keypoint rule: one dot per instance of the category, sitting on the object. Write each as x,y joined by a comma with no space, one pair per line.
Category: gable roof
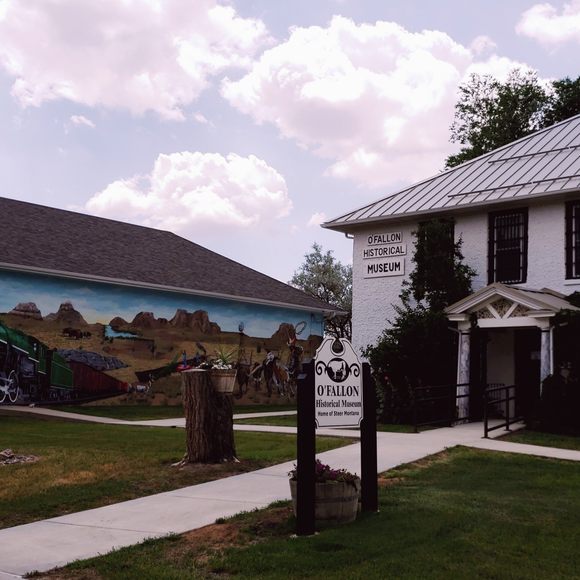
544,301
42,239
546,162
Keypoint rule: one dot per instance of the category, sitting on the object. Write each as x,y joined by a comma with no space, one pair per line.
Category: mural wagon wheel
13,390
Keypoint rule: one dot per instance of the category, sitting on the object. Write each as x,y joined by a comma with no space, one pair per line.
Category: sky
242,125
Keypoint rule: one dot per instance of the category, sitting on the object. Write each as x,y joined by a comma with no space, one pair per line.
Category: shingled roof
45,239
544,163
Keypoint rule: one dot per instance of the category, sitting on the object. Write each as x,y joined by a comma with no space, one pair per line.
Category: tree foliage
323,276
491,113
418,348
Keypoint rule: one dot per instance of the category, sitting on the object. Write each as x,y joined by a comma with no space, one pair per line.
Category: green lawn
292,421
544,439
89,465
463,514
146,412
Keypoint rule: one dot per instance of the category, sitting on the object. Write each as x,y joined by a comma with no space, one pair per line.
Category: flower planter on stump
223,380
336,502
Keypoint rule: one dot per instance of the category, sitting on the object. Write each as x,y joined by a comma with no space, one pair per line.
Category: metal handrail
506,399
449,394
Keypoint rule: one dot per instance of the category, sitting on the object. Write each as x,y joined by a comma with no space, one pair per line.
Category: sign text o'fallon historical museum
338,384
384,255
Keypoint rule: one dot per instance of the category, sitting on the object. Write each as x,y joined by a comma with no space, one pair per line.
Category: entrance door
527,369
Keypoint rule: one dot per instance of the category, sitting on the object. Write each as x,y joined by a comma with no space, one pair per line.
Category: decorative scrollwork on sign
320,367
354,369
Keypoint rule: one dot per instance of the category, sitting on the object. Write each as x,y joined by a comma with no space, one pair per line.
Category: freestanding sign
334,382
338,385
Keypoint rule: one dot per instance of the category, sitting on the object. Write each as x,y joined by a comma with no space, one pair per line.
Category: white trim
572,282
551,350
511,309
507,323
149,286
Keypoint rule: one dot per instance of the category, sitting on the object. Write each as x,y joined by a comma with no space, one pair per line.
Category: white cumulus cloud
82,120
317,218
544,23
375,99
192,191
140,55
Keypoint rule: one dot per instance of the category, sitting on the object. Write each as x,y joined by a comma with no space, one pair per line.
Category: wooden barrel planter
223,380
336,502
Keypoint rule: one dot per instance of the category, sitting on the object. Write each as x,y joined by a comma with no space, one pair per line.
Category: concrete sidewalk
55,542
175,422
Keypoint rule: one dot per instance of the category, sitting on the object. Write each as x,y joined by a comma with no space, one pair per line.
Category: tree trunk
209,424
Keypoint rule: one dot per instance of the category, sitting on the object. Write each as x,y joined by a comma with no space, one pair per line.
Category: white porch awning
502,306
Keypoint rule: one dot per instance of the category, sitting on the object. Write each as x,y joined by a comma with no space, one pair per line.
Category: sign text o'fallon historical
384,255
338,384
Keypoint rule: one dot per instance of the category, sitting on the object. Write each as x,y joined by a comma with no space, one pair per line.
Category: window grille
508,247
573,239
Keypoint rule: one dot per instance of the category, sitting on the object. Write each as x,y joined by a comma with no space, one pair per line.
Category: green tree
324,277
563,101
490,113
418,348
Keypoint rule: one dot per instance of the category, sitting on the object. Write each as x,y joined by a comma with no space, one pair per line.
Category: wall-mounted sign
386,251
381,268
338,385
384,238
382,254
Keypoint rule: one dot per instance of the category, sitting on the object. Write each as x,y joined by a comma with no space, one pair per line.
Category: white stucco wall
373,298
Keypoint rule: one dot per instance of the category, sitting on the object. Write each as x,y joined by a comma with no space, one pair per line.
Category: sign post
306,451
335,390
368,445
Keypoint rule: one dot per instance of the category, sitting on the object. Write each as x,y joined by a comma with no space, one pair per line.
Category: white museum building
517,212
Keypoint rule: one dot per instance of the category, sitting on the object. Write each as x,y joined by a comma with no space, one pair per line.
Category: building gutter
327,313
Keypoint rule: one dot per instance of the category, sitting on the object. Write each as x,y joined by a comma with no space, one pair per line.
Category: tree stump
209,423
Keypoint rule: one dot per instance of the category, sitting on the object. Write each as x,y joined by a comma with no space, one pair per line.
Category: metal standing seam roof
544,163
42,239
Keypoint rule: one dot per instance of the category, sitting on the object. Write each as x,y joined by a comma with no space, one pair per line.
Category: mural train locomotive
31,371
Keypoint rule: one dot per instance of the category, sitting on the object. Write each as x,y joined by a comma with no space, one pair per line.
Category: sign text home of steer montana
338,385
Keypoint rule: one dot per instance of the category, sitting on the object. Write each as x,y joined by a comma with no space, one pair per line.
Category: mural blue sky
242,124
102,302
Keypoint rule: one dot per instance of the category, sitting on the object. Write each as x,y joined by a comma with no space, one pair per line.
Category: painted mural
67,339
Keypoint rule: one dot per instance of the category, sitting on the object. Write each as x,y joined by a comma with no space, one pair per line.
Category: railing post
507,408
415,409
485,418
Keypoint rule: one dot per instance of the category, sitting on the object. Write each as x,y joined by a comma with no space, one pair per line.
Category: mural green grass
463,514
84,465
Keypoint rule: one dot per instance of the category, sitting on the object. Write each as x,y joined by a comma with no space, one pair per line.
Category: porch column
463,374
545,355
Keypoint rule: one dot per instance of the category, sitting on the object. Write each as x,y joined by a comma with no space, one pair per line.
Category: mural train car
31,371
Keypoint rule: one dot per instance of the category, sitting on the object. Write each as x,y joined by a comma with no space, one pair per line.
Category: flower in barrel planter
222,371
337,494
